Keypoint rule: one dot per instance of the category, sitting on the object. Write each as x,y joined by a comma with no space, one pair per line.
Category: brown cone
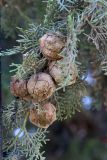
51,55
51,45
43,117
18,87
55,72
63,71
41,86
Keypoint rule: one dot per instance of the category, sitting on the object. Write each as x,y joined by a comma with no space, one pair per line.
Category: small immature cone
43,117
51,45
41,86
18,87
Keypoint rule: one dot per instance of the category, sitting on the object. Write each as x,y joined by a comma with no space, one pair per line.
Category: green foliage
51,12
30,144
104,66
31,64
68,100
28,40
10,52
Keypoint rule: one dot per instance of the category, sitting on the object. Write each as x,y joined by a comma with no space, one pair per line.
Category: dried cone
43,117
60,70
27,98
56,72
18,87
51,45
41,86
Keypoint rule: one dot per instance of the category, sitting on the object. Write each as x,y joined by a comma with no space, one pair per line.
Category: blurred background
84,136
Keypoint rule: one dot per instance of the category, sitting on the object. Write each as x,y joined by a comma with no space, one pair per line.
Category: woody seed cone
51,45
41,86
18,87
43,117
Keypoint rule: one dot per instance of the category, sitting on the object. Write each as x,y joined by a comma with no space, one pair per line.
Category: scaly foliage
67,101
30,142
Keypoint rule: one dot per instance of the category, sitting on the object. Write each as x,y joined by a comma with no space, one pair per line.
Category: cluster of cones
41,86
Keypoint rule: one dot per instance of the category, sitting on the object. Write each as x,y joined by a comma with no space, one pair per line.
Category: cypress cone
61,70
41,86
51,45
56,72
18,87
43,117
